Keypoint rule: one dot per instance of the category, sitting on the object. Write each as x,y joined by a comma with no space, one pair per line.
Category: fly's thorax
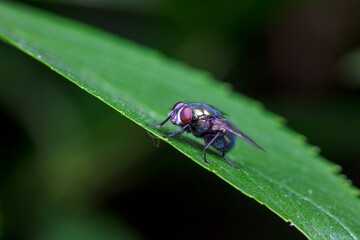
201,119
206,109
200,113
201,125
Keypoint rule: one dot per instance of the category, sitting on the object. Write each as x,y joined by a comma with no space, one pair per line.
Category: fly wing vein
223,123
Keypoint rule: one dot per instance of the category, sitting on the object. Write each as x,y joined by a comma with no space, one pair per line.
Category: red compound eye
185,115
176,105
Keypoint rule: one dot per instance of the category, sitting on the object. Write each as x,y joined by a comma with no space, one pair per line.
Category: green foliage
290,179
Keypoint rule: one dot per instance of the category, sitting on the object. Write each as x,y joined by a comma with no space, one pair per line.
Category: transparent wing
223,123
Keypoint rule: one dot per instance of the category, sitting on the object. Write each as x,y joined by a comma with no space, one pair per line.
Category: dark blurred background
72,168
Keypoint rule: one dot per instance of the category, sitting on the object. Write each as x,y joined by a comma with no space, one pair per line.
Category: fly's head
181,114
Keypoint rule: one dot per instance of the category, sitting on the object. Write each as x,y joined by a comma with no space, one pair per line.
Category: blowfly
206,122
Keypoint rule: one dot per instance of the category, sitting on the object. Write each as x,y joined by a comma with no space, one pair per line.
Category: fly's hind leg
227,160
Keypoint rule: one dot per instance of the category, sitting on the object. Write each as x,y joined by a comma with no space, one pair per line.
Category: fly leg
208,145
158,125
177,132
227,160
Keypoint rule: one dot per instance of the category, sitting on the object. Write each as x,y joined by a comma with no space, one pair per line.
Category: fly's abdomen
229,141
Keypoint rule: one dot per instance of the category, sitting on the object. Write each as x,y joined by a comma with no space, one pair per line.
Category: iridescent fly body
206,122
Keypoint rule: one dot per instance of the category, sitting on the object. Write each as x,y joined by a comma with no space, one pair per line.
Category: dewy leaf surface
290,179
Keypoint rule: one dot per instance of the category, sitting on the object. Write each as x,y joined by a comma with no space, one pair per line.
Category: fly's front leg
177,132
158,125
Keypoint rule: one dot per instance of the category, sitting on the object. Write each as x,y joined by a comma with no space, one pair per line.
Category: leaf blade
142,85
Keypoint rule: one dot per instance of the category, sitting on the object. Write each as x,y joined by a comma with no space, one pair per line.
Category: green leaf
290,179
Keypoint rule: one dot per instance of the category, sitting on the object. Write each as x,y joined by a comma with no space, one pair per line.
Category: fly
206,122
